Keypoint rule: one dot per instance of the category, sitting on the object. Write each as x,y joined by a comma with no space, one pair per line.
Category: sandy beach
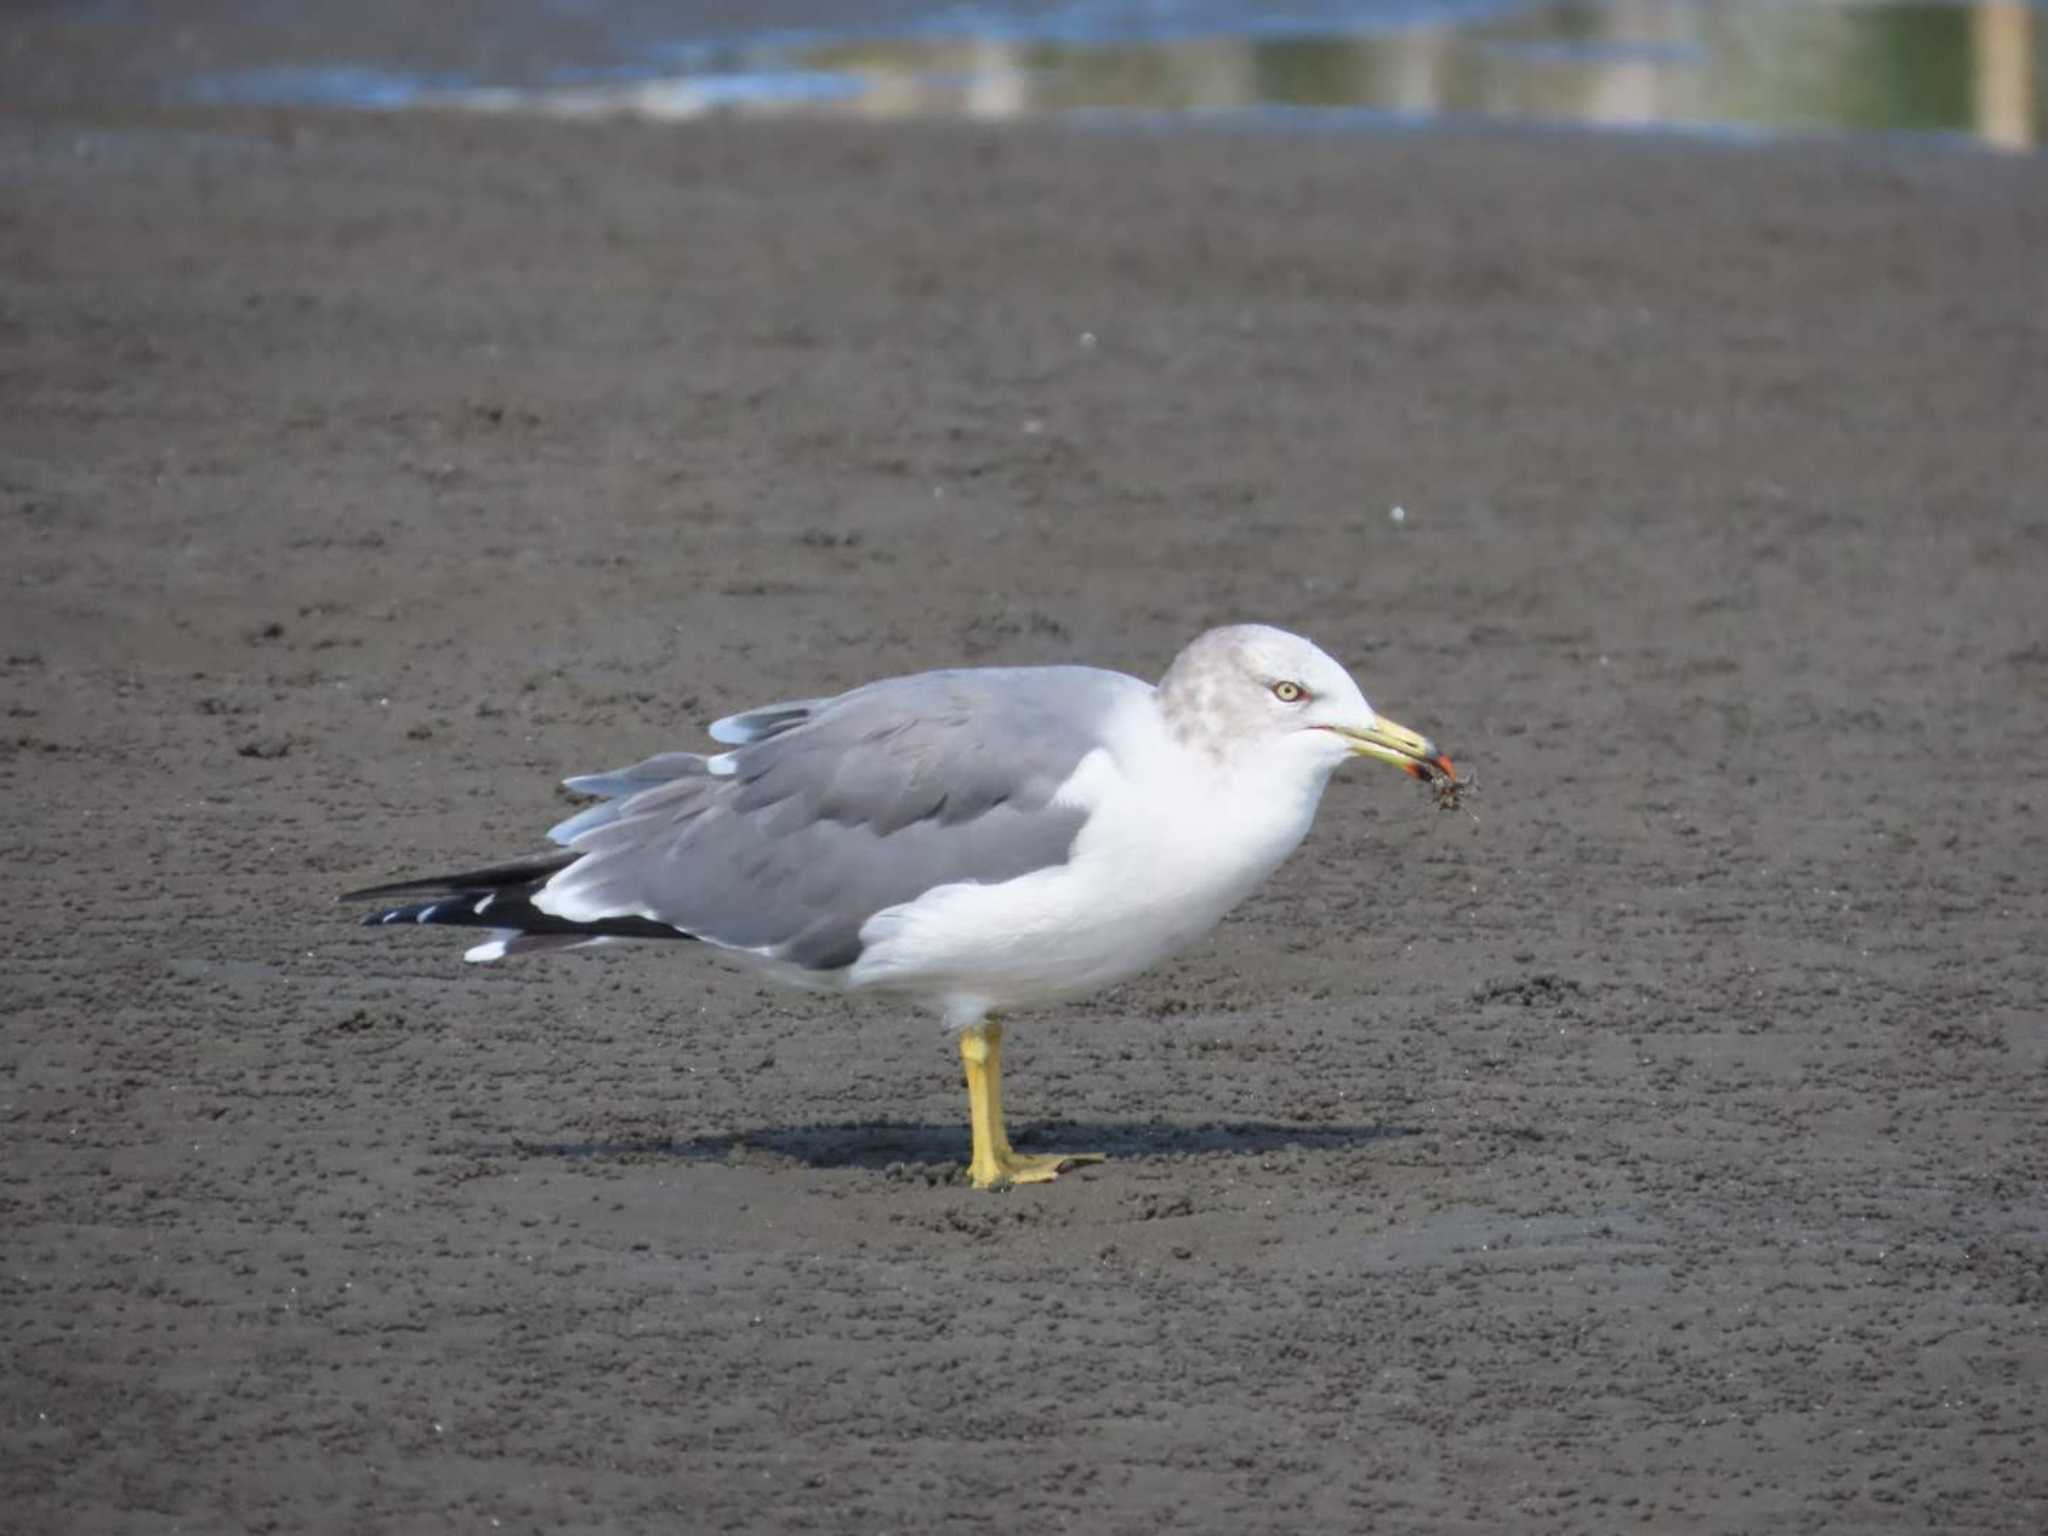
1654,1143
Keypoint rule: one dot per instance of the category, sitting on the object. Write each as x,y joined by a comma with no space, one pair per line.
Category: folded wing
823,814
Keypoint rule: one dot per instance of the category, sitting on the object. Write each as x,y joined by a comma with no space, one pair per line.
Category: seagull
974,840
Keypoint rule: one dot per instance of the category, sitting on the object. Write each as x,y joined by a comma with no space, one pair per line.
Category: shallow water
1725,67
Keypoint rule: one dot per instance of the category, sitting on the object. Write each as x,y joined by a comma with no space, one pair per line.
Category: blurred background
1973,71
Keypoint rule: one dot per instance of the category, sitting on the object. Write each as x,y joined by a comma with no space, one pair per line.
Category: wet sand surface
1653,1143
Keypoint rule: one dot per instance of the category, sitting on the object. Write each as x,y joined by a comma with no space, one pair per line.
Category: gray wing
769,720
788,844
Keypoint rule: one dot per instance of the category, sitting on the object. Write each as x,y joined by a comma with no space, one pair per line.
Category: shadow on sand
883,1143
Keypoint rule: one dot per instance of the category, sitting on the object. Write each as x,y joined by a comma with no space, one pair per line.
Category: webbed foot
1011,1167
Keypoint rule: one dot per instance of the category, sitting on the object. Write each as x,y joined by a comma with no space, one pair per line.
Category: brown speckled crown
1210,695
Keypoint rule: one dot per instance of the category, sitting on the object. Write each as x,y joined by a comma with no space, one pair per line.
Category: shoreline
1976,73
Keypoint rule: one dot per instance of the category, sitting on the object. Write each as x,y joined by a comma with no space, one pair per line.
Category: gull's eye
1289,693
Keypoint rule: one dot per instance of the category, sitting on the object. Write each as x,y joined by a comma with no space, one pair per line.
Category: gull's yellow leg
995,1162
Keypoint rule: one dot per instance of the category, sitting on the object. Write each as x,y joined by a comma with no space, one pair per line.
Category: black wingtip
395,888
532,869
515,915
391,888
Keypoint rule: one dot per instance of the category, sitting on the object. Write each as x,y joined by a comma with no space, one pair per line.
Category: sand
1654,1142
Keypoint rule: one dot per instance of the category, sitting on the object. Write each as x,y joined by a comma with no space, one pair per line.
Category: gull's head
1253,689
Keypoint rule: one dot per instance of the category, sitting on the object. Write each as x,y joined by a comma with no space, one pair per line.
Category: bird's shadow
882,1144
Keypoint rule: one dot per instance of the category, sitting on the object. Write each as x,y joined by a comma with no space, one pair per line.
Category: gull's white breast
1174,839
